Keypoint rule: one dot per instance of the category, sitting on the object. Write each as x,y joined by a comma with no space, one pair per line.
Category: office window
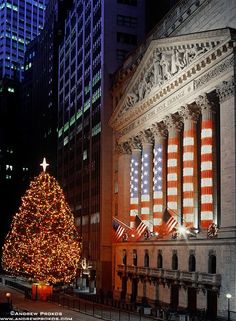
127,38
128,2
126,21
121,54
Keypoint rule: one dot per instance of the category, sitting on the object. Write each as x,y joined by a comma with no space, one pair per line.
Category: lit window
85,155
10,90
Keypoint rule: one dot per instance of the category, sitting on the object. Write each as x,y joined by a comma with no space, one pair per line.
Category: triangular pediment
164,62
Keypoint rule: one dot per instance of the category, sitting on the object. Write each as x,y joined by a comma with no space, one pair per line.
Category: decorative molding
226,89
163,64
213,73
174,52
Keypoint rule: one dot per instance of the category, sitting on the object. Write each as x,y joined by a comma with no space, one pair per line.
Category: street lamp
8,297
228,296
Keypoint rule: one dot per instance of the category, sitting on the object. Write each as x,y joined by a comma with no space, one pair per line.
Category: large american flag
158,187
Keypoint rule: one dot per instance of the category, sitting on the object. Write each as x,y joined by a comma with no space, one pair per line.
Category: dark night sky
156,9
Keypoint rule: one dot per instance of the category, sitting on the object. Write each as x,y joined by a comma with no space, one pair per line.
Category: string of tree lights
43,242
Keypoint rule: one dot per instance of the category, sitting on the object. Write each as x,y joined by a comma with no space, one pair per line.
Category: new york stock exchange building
174,174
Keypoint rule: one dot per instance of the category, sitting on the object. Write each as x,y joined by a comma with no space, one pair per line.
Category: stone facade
177,110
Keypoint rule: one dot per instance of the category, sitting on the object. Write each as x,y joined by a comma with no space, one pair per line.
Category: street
50,311
43,308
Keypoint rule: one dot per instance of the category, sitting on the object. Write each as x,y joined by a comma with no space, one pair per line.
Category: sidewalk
43,308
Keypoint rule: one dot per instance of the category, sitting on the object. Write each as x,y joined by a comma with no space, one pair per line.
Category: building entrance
174,296
192,299
211,305
134,290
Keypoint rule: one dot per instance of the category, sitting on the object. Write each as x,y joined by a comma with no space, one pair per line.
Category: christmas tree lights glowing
43,243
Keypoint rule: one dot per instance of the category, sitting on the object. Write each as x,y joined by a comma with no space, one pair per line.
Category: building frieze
214,73
166,105
212,60
162,66
226,89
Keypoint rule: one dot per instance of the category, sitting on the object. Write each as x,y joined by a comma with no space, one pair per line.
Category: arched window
174,262
146,259
135,258
159,261
191,263
124,257
212,264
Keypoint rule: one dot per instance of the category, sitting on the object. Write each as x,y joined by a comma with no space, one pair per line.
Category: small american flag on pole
140,227
169,222
119,230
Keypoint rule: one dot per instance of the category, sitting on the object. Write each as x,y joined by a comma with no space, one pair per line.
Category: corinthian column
146,180
207,188
173,166
159,184
190,197
226,94
124,182
135,181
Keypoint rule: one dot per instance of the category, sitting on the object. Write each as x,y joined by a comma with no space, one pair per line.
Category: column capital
145,137
173,122
123,148
134,143
226,89
204,103
159,131
187,112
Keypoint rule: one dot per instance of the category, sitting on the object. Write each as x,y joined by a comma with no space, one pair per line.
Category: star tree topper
44,164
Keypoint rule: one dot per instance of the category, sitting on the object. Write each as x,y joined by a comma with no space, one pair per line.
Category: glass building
21,22
98,35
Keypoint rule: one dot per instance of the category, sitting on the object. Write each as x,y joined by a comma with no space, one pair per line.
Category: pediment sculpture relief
163,66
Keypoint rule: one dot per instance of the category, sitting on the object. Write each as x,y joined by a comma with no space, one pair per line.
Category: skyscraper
39,89
98,35
21,22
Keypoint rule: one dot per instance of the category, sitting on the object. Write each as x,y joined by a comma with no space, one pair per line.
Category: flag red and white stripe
206,173
188,176
172,172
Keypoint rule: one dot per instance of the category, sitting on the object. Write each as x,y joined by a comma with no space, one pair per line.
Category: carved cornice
213,73
163,64
226,89
126,114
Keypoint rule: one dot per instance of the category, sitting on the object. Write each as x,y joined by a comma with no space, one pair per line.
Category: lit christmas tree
43,243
